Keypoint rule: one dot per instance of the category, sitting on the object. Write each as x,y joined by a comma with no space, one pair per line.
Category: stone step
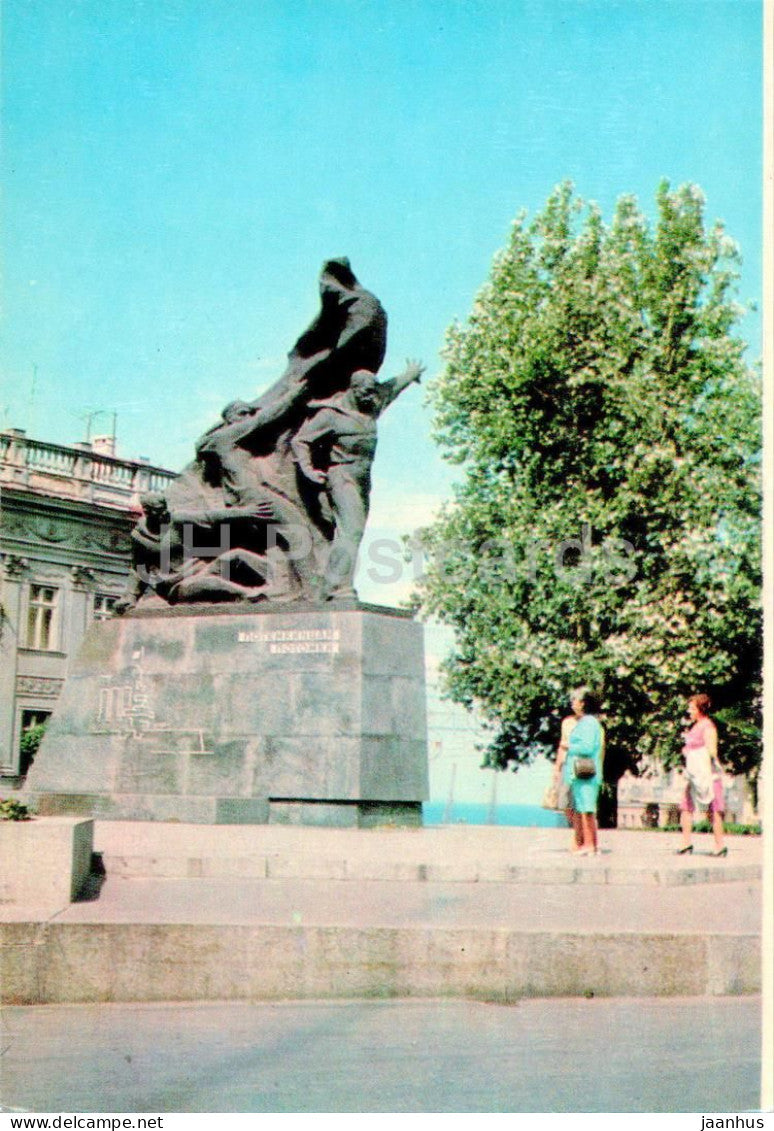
434,855
112,962
282,867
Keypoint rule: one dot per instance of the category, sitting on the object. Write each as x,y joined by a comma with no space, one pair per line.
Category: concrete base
45,861
234,717
71,962
193,913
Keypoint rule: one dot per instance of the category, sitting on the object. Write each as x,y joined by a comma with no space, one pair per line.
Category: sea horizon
481,813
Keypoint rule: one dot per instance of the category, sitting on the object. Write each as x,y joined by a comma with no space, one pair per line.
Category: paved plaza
469,951
559,1055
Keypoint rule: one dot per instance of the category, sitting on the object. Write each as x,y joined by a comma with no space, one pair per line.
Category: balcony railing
76,472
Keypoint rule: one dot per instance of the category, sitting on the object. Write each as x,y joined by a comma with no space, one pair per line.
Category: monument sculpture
243,681
275,503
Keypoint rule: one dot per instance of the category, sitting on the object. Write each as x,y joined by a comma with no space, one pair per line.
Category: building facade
66,515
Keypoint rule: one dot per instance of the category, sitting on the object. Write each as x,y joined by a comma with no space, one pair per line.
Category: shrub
12,810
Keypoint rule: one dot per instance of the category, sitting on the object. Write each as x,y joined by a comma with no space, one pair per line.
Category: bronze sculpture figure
275,503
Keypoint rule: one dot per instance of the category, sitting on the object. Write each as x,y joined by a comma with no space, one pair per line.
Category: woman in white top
704,773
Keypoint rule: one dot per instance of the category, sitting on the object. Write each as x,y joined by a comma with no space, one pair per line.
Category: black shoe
684,851
722,852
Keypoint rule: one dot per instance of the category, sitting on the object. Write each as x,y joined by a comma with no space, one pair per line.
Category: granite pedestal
219,715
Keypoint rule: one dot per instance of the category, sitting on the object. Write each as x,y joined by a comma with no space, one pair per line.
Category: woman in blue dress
586,741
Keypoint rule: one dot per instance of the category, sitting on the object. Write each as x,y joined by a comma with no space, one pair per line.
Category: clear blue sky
176,170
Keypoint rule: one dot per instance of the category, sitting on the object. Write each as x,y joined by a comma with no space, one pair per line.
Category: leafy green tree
606,527
29,744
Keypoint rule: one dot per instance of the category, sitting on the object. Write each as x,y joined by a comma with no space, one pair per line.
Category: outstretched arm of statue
262,413
289,388
225,434
214,516
389,390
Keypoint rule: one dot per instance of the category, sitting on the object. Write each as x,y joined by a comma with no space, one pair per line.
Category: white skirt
698,770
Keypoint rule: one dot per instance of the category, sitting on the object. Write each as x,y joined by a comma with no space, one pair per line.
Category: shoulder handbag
585,768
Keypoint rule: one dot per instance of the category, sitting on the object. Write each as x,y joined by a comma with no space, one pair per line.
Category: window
41,617
33,724
103,605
